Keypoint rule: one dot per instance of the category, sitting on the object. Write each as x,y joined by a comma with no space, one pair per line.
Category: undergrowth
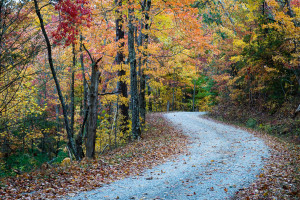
281,123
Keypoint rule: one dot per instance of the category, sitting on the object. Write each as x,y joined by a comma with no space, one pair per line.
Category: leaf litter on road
280,177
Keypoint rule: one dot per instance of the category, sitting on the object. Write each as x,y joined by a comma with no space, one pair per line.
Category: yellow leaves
66,162
228,31
236,93
163,21
236,58
253,6
221,77
204,105
282,16
278,58
295,61
282,21
297,12
3,134
272,26
123,100
272,3
232,81
239,43
24,102
269,70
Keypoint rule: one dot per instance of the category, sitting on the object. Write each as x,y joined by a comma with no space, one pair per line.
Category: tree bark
173,99
92,114
92,106
85,85
141,71
150,107
194,94
71,143
79,138
73,92
122,86
144,37
136,132
290,11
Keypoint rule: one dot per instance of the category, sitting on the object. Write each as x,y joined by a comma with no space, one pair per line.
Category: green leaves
212,17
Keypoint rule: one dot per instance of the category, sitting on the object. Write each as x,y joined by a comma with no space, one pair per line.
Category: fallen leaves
279,178
159,144
191,194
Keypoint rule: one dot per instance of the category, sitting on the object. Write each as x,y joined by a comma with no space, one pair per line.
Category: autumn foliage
237,59
73,15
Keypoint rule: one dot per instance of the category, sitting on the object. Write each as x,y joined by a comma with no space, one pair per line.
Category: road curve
222,160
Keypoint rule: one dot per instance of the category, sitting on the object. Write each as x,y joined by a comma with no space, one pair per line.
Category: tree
92,106
17,48
71,144
119,60
136,132
143,41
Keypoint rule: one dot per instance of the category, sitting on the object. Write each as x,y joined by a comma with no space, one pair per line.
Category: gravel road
222,160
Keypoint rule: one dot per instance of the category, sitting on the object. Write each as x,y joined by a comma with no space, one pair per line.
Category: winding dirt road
222,160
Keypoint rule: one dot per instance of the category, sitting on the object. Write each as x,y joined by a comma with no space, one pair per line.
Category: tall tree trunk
136,132
173,99
143,97
122,86
194,94
92,114
145,9
290,11
168,106
71,142
173,91
150,107
85,85
57,128
79,137
72,91
115,124
141,71
82,131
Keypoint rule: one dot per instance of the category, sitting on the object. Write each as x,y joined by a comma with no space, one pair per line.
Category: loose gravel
221,160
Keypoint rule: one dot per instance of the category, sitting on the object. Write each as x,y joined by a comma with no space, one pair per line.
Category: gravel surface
222,160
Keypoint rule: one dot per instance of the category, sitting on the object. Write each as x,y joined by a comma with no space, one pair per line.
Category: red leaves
295,3
73,14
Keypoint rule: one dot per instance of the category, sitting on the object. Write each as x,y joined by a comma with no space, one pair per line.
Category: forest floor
190,158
